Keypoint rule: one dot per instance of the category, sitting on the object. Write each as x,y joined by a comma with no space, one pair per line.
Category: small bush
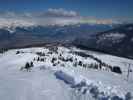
117,69
18,52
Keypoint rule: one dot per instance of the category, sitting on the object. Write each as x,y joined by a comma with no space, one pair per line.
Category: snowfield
62,75
112,37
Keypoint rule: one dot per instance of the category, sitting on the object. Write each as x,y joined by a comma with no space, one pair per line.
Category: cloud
51,17
56,13
49,13
61,13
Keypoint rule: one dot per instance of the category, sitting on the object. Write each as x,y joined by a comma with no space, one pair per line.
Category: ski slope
61,82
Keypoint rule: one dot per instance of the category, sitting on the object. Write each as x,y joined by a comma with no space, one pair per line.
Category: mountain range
113,39
117,41
19,36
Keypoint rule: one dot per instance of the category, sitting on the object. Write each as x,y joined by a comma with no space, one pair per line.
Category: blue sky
105,9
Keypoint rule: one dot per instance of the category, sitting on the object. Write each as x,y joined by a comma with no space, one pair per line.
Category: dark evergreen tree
38,59
17,52
80,63
31,64
27,66
53,59
117,69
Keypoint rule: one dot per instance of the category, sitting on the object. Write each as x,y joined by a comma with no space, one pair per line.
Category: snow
123,63
64,76
11,24
48,82
85,85
114,37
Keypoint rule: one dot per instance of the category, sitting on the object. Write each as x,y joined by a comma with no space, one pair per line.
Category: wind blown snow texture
62,82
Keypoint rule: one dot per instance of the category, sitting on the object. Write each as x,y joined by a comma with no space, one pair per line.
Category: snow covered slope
56,75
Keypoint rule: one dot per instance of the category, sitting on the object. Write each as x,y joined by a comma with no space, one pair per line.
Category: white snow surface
114,37
48,82
11,24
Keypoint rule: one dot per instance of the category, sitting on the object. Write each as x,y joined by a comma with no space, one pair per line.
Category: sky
120,10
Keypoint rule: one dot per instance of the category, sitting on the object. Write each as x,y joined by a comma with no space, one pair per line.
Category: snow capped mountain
21,33
116,41
11,25
118,33
8,23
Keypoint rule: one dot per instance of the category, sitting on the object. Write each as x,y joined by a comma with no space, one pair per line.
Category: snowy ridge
60,81
14,23
11,24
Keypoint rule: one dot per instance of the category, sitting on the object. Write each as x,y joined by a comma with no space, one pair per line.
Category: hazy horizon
67,11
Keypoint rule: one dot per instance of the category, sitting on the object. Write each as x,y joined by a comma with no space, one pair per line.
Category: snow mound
97,90
65,77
